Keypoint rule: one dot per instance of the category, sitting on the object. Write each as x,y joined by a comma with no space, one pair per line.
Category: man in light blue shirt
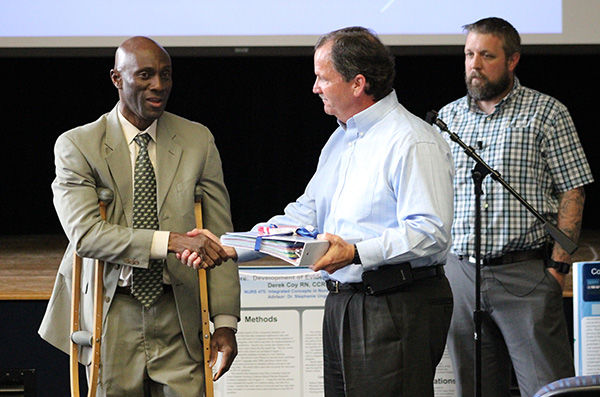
384,179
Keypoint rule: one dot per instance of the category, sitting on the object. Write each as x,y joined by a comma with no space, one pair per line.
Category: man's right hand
198,248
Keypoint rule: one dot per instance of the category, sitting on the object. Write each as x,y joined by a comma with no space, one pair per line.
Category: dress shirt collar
364,120
472,105
131,131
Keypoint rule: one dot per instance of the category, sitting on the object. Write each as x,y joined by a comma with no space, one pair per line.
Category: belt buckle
337,287
473,260
331,283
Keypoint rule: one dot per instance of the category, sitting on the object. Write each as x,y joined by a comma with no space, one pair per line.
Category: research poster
279,337
586,317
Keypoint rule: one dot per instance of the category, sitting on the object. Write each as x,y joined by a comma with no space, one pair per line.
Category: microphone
432,118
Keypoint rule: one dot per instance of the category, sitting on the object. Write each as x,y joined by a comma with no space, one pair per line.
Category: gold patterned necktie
147,283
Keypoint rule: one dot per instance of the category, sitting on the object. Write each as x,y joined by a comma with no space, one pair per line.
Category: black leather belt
127,290
510,257
418,273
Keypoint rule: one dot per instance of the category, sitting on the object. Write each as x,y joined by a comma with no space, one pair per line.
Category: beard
488,89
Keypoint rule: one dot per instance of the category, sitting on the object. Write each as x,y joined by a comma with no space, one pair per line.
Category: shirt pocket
517,153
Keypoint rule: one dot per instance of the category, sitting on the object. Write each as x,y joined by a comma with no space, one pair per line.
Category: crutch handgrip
82,338
105,195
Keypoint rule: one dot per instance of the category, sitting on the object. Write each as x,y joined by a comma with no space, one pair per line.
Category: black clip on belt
387,279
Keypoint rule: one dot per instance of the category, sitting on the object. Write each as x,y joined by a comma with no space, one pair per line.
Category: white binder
294,249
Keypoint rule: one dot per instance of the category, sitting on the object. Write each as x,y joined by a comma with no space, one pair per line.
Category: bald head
142,74
134,45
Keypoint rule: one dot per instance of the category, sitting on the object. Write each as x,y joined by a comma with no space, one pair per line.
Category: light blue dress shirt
385,180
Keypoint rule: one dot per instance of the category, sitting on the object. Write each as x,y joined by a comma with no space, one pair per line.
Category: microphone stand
479,172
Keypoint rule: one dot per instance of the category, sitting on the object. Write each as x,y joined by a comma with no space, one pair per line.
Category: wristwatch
356,259
561,267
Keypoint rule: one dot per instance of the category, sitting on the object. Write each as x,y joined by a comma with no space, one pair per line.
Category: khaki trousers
143,352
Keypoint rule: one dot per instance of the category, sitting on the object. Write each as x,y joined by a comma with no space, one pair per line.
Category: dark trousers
386,345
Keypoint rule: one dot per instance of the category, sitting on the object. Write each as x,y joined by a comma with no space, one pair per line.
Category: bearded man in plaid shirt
530,139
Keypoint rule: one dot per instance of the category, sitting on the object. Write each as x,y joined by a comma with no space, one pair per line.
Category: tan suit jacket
97,155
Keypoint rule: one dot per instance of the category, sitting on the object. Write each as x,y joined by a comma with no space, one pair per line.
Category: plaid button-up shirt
530,139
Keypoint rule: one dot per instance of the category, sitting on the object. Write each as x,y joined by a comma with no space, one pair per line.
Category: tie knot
142,140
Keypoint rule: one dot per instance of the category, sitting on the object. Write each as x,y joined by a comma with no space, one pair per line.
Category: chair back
577,386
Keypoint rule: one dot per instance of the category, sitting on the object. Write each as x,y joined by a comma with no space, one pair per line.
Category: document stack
289,246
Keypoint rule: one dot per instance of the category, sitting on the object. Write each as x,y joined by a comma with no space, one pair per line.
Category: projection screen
245,24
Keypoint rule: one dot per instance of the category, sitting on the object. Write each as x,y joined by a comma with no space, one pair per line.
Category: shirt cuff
370,253
160,244
225,320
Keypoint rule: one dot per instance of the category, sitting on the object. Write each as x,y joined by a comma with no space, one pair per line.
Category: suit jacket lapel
119,162
168,155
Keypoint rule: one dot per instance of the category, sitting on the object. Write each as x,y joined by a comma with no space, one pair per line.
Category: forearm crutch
208,376
81,337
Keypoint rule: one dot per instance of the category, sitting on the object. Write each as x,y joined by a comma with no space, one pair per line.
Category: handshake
199,248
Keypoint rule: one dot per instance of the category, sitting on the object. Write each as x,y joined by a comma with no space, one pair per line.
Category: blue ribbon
302,231
257,243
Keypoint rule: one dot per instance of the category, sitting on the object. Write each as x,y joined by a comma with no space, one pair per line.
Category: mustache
475,74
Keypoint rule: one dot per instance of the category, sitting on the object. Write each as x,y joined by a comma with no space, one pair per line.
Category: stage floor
28,264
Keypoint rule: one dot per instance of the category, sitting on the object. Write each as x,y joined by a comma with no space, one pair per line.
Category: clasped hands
199,248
